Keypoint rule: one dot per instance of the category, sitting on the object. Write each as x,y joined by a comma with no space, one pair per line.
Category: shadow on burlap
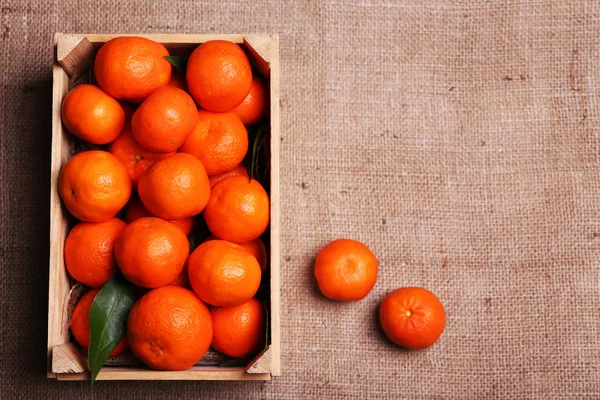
459,140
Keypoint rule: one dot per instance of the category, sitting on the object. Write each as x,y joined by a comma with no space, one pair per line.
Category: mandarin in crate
92,115
255,247
346,270
223,273
239,331
178,81
94,186
219,140
219,75
135,158
169,328
238,210
412,317
176,187
131,68
89,256
183,279
151,252
255,105
80,323
240,170
164,120
136,210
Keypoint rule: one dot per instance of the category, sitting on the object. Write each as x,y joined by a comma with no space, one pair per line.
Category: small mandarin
131,68
92,115
412,317
240,170
175,187
182,279
89,256
255,247
219,140
238,210
163,122
255,105
132,155
169,328
80,323
346,270
151,252
94,186
239,331
178,81
219,75
223,273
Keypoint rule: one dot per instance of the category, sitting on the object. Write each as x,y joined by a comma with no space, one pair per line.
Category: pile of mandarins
174,148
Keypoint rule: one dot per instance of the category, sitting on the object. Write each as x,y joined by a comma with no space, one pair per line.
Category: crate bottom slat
194,373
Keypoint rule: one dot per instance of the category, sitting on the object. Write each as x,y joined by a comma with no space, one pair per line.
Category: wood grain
75,54
66,358
58,286
260,48
275,209
262,363
194,373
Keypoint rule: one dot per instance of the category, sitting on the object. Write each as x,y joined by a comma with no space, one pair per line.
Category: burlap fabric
458,139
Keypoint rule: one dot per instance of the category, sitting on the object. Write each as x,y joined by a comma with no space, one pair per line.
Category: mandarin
346,270
238,210
255,247
89,256
255,105
151,252
219,140
164,120
92,115
135,158
219,75
175,187
169,328
131,68
412,317
94,186
239,331
80,323
223,273
240,170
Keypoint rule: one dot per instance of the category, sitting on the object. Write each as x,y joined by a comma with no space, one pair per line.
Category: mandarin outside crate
73,57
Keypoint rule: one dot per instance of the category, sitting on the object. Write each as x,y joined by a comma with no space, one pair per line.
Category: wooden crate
74,54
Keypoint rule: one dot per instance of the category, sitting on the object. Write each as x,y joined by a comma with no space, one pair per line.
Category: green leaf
108,320
257,139
179,62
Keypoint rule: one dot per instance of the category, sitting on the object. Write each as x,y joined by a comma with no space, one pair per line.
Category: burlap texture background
458,139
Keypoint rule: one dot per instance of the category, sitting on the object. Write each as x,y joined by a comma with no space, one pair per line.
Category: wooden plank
75,54
172,38
194,373
58,286
275,209
66,358
261,364
260,48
